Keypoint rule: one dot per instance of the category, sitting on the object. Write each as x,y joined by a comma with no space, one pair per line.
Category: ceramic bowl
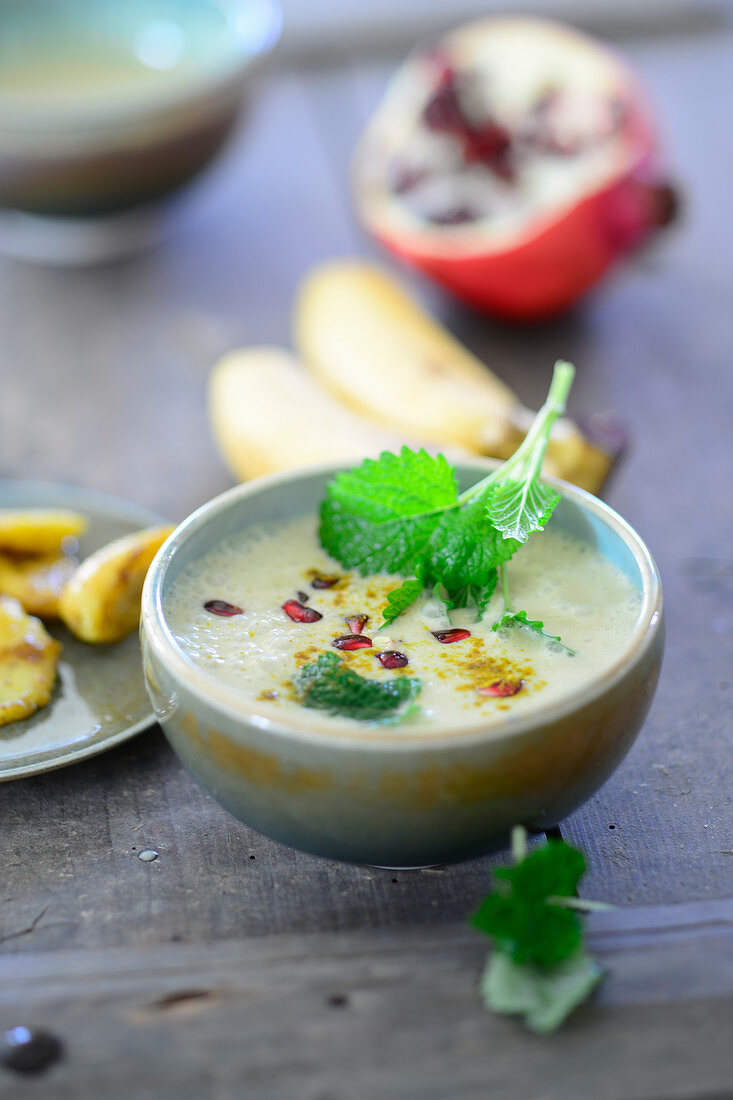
107,106
374,795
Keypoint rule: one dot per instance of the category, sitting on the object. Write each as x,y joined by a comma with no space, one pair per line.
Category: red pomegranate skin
541,275
548,272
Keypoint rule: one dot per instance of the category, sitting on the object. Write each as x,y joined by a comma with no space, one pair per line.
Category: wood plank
390,1014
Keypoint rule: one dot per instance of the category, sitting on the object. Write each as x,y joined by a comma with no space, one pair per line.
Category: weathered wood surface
383,1014
103,379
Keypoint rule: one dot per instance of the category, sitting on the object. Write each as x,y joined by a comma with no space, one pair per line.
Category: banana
36,581
38,530
374,349
28,660
268,414
101,602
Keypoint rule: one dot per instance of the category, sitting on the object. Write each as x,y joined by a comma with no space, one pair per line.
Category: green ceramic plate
100,698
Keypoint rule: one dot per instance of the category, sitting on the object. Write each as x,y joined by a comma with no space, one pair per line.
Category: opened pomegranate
514,163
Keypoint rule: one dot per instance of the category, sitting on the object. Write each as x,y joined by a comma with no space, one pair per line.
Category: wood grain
379,1014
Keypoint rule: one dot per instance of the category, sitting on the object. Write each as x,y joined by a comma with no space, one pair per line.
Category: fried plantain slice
38,530
36,581
28,660
101,602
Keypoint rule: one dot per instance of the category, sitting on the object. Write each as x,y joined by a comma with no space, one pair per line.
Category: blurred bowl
110,106
375,795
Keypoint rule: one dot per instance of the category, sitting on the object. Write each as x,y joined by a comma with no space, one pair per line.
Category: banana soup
409,601
263,605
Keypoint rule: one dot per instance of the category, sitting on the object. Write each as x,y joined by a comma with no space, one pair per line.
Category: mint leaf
521,619
380,515
462,555
544,998
517,502
518,914
402,514
329,684
518,508
400,599
539,968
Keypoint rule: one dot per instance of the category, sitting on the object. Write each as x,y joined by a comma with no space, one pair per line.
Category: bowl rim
66,121
233,705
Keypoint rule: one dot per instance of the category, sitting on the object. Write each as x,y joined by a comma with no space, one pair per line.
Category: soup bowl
374,794
107,106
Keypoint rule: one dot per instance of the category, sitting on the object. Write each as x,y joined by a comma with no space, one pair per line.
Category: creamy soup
226,612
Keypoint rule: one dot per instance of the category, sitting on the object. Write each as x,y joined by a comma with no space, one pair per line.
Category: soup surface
482,674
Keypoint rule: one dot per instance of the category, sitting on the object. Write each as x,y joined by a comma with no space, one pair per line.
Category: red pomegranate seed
324,582
302,596
221,607
392,658
356,623
502,688
352,641
455,634
299,614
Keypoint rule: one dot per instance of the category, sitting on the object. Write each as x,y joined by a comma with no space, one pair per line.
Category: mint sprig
539,968
402,514
401,598
329,684
521,620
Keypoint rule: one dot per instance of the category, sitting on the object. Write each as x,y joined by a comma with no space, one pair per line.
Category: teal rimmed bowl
374,795
107,105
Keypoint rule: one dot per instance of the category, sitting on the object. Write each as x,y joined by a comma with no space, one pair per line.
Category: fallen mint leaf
544,998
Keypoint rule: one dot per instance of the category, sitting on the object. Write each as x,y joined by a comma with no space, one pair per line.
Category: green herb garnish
539,968
520,619
403,514
329,684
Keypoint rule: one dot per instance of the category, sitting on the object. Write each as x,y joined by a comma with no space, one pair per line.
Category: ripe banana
38,530
268,414
101,602
28,659
368,343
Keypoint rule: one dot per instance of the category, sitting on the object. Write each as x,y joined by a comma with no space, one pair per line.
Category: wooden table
232,966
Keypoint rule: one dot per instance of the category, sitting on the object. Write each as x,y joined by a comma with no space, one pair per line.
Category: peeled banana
28,660
101,602
374,349
38,530
268,414
36,581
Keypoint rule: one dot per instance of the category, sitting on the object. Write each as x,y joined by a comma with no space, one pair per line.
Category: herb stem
529,454
519,843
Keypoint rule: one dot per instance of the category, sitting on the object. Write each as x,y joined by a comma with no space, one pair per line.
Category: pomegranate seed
302,596
352,641
324,582
392,658
221,607
299,614
455,634
502,688
356,623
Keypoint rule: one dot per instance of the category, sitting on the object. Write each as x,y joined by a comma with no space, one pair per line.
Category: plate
100,698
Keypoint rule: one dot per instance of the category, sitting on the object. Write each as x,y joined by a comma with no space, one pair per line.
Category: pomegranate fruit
356,623
514,163
501,688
